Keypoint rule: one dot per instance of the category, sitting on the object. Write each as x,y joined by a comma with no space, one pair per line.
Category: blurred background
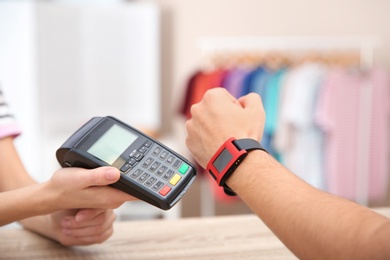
62,62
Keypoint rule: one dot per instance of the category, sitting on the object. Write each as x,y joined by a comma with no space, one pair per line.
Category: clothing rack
364,46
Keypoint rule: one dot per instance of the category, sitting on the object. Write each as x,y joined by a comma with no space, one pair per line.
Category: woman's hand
78,203
72,188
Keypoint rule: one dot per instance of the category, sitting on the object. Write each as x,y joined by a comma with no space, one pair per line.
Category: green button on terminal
183,168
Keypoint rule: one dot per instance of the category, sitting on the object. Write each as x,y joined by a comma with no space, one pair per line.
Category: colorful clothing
233,81
315,121
347,100
198,85
298,139
271,107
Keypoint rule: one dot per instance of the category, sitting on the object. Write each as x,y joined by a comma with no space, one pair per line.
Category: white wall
62,63
18,76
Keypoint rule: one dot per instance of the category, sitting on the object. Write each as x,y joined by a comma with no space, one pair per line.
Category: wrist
18,207
39,224
256,163
51,197
228,157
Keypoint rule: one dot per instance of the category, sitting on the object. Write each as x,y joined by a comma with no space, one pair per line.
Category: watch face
228,157
222,160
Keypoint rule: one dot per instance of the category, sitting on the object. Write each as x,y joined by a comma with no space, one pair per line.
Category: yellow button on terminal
175,179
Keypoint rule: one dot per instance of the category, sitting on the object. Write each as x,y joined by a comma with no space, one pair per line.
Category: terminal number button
136,173
154,166
163,155
176,164
170,159
150,181
147,162
161,170
158,185
143,177
157,150
167,175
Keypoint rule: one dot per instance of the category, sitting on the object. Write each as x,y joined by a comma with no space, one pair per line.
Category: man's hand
220,116
82,227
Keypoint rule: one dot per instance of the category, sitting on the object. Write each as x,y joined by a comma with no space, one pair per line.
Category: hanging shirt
247,83
342,109
271,96
234,79
198,85
8,125
186,105
258,84
297,138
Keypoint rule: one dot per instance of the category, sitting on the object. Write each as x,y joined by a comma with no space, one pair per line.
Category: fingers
95,227
219,96
101,176
215,101
87,214
88,217
88,240
71,188
251,100
254,104
94,239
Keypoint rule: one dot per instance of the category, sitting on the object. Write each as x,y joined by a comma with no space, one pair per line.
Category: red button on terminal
165,190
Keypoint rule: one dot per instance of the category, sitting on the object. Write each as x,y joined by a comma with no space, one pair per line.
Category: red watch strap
228,158
230,148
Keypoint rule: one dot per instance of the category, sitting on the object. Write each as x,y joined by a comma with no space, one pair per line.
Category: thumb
252,100
101,176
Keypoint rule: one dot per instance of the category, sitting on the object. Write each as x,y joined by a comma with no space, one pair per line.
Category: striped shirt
342,115
8,125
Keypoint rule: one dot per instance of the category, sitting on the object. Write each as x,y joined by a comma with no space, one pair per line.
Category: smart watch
228,158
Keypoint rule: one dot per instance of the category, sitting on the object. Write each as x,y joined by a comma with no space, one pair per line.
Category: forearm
25,202
13,174
39,224
46,208
330,226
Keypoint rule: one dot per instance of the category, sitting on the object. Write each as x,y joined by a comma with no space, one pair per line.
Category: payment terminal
149,170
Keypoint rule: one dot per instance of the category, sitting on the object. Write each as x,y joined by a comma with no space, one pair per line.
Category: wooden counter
224,237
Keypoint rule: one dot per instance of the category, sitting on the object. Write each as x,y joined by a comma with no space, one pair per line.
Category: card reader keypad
154,167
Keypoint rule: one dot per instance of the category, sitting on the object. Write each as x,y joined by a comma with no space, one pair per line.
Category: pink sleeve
8,125
11,129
